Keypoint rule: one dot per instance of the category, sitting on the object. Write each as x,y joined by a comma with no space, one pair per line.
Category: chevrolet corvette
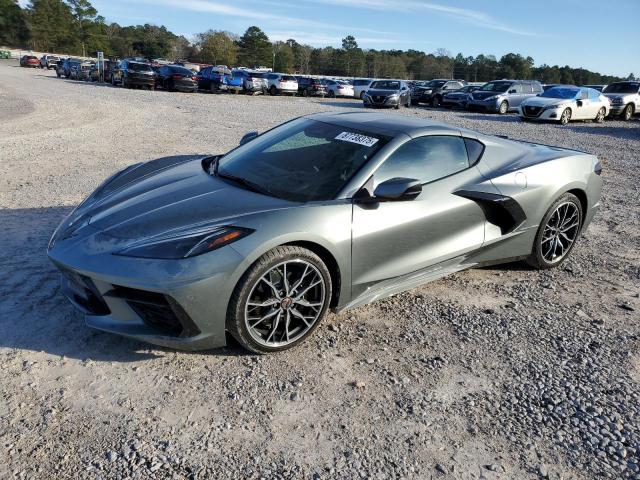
327,211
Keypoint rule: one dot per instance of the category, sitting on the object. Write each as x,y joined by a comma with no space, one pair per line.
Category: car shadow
341,104
508,118
604,129
35,315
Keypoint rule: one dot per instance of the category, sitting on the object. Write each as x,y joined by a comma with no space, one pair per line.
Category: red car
29,61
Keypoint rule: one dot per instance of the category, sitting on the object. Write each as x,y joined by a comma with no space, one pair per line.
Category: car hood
613,96
544,101
383,93
170,193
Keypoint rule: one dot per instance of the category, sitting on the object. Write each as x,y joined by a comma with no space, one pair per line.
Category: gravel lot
493,373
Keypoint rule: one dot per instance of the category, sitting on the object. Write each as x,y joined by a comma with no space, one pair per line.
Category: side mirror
248,137
512,91
394,189
579,102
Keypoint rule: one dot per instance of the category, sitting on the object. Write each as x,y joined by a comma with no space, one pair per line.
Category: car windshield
496,86
622,88
385,85
139,67
303,160
561,92
436,83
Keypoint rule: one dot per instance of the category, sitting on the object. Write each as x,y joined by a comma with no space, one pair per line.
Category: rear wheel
362,95
627,113
601,114
305,92
331,94
213,88
558,232
435,102
503,108
565,117
280,300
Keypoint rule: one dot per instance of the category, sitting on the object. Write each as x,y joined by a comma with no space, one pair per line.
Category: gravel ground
496,373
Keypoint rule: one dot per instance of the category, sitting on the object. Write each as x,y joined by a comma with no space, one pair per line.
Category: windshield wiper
248,184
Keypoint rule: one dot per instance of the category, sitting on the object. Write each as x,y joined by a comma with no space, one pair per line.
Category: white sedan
565,103
338,88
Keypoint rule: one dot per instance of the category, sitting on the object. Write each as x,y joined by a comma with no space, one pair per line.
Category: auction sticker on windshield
357,138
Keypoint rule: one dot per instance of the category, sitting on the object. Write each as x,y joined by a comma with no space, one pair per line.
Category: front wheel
627,113
565,117
503,108
601,114
558,232
280,300
435,102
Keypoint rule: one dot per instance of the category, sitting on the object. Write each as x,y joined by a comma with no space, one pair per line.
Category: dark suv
308,86
433,91
131,73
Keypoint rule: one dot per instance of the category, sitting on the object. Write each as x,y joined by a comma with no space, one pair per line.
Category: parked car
565,103
60,68
280,83
338,88
387,93
80,71
547,86
502,96
624,97
360,86
309,86
333,210
252,82
48,61
596,87
67,64
176,77
458,98
29,61
433,91
94,72
218,79
132,73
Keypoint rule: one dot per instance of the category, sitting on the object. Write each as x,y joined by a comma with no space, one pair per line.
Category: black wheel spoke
560,232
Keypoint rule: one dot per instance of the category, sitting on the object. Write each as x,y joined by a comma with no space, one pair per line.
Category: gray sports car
324,211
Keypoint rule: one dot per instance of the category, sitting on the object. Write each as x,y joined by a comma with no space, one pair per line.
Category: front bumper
173,303
616,109
454,102
489,105
551,114
387,102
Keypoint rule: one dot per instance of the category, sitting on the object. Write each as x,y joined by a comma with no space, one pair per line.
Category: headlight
492,98
393,96
552,107
186,244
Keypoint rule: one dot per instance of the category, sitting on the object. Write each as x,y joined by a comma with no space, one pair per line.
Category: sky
603,36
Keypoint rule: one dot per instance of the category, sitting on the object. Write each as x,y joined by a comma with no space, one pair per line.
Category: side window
475,149
594,94
536,87
426,159
515,88
526,88
583,95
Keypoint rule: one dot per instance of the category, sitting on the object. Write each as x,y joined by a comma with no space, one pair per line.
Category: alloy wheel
565,117
600,116
285,303
560,232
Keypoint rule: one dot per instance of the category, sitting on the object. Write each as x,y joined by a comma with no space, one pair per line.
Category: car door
584,106
395,238
515,96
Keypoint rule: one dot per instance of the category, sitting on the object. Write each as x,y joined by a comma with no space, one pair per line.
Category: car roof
384,124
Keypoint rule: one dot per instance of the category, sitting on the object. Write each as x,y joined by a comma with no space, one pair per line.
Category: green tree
284,58
51,24
218,47
353,57
13,27
254,48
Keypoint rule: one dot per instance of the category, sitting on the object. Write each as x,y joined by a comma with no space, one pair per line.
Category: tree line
75,27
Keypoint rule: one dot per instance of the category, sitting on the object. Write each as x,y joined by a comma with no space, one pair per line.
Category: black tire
600,116
435,102
627,113
362,95
537,258
565,117
213,88
235,323
273,91
503,108
305,92
124,83
331,94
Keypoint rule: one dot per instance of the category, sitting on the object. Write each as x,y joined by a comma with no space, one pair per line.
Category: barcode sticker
357,138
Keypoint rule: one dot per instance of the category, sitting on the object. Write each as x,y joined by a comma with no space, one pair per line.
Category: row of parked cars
530,99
